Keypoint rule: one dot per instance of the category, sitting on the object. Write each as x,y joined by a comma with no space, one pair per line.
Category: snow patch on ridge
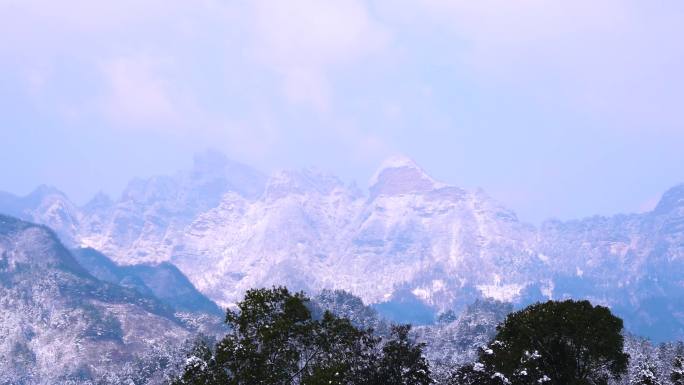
499,291
426,293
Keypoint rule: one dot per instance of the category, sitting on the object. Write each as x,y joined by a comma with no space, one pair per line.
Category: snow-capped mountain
310,231
634,263
410,237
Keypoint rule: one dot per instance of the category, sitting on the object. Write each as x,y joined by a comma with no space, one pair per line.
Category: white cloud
92,16
601,58
304,40
137,92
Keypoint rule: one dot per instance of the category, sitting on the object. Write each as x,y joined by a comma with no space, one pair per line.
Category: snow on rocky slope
228,228
59,324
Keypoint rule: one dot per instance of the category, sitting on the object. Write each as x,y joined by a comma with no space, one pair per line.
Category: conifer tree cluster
677,374
646,375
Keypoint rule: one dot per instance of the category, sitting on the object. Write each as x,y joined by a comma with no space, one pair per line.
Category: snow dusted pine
677,373
646,375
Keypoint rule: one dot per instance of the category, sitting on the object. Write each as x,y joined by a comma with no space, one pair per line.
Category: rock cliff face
409,238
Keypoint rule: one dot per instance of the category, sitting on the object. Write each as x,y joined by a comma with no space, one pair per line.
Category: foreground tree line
274,339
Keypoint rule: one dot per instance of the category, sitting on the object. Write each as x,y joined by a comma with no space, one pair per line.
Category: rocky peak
672,201
209,161
150,191
400,175
42,192
98,202
287,182
213,171
25,245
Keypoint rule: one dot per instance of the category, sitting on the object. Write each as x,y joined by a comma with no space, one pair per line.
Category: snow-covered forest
75,317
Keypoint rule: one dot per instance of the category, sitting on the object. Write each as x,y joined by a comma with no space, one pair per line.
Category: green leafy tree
557,343
471,374
267,343
402,362
268,339
340,354
273,340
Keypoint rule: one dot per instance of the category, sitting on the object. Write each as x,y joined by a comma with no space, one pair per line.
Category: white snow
309,231
501,292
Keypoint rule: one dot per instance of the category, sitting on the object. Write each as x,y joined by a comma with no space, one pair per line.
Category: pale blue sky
556,108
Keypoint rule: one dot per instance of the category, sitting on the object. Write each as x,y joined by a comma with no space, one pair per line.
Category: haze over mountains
409,239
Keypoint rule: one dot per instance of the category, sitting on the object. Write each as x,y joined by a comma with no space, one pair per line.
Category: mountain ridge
409,235
62,325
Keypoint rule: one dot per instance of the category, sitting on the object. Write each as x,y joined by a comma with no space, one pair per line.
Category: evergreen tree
646,375
340,354
677,373
402,362
200,365
471,374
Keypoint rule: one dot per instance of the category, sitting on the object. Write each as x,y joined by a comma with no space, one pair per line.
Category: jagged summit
44,190
285,182
34,198
99,201
213,170
41,193
215,164
399,175
672,200
412,234
34,247
397,161
209,160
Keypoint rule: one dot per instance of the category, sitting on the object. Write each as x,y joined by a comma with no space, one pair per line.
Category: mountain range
408,242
